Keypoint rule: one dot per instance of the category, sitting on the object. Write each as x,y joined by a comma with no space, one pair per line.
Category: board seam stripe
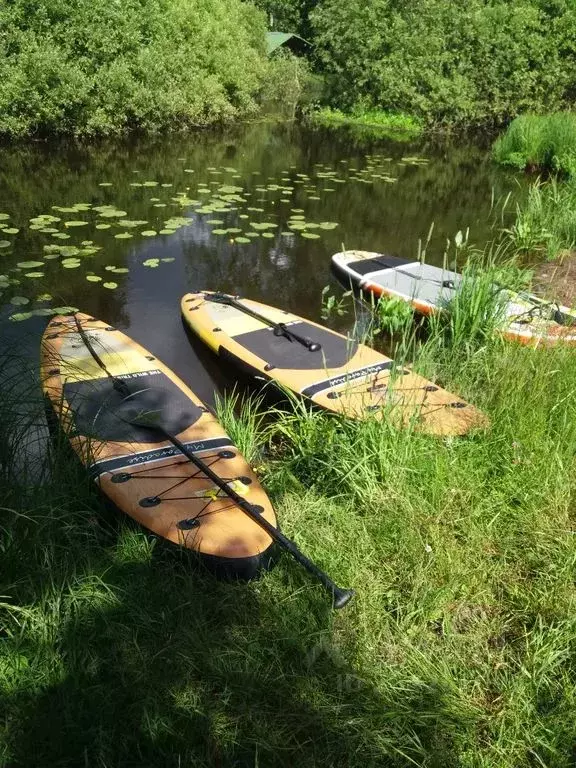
157,454
345,378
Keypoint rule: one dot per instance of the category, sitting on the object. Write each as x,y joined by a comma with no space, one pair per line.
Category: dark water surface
362,195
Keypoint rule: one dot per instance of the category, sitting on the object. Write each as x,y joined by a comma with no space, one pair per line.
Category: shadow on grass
123,654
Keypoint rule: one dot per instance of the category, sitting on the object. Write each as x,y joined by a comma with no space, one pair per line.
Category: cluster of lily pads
255,210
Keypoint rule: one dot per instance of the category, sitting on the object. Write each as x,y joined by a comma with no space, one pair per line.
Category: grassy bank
375,121
545,222
458,650
539,143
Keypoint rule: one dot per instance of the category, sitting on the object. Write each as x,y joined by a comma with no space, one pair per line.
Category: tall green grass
459,649
539,142
546,221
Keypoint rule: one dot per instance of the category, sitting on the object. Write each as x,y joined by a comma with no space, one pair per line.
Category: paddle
339,596
280,329
443,283
150,420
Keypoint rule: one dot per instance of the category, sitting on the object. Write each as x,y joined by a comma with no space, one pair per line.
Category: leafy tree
468,61
102,66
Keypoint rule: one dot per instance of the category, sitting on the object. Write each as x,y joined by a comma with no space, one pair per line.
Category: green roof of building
276,39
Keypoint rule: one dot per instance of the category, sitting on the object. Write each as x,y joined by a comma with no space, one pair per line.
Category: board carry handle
280,329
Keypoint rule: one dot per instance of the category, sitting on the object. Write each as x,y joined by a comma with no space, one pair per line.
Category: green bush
100,67
545,142
449,61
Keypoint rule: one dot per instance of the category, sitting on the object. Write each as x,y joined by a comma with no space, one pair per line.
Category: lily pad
219,231
242,239
111,286
167,231
151,263
148,233
113,213
5,243
328,225
34,274
75,223
168,259
43,297
214,221
123,236
105,184
269,235
103,226
4,216
93,278
11,230
29,264
19,301
310,235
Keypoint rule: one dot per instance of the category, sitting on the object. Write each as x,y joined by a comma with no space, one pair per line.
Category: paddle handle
280,329
339,596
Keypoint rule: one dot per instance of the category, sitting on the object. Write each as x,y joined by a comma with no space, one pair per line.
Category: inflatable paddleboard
332,370
528,319
140,471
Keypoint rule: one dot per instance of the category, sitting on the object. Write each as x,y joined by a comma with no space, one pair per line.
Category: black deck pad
280,352
99,410
364,266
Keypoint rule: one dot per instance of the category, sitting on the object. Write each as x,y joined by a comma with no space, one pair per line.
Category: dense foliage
468,61
101,66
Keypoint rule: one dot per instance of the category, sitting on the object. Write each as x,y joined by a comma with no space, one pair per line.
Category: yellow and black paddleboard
334,371
135,466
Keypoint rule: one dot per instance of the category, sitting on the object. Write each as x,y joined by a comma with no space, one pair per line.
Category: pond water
121,230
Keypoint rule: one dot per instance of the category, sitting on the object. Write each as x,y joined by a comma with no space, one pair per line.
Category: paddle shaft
280,329
339,596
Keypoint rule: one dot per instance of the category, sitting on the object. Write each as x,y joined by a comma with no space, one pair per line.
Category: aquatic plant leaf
43,297
269,235
151,263
93,278
5,243
19,301
29,264
123,236
148,233
103,226
111,286
112,213
168,259
219,231
34,274
242,239
61,236
167,231
310,235
105,184
11,230
214,221
47,230
328,225
4,216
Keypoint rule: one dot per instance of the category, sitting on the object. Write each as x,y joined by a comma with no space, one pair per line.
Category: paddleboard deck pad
341,376
141,472
527,318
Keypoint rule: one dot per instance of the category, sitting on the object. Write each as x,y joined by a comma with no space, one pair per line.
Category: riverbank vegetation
472,63
379,122
539,143
458,650
94,67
